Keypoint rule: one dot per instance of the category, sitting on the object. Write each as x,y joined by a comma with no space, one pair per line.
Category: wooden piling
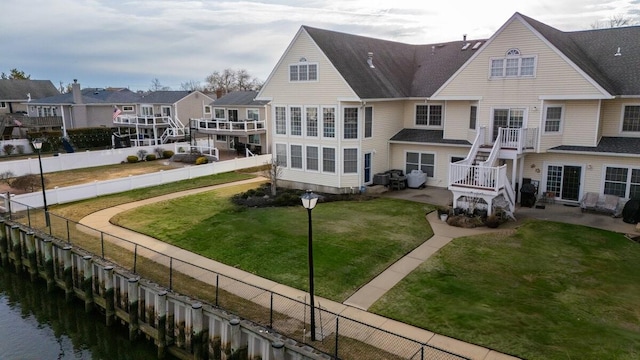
87,282
4,252
32,259
197,339
67,273
16,254
132,308
48,265
161,320
109,296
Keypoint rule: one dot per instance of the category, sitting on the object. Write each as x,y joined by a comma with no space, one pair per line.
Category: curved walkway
354,307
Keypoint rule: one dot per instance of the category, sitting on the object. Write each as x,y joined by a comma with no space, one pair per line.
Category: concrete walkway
354,308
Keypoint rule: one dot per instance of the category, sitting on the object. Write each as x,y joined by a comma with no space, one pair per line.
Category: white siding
442,154
612,111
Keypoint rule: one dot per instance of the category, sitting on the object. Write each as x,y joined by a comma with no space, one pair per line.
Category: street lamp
37,144
309,201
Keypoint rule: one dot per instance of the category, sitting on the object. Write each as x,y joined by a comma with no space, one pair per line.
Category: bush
492,221
29,182
132,159
142,153
159,152
166,154
8,149
202,160
150,157
90,138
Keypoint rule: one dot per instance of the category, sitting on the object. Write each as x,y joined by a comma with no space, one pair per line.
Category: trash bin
528,195
631,211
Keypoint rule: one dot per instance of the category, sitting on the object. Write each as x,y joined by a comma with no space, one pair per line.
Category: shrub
202,160
132,159
159,152
5,176
492,221
142,153
166,154
29,182
150,157
8,149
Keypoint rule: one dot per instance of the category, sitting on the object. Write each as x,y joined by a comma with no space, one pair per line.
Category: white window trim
275,120
336,159
435,161
319,158
357,161
623,132
163,107
364,123
3,104
544,119
504,67
207,110
628,181
253,109
336,125
318,121
146,106
290,157
298,65
128,108
434,127
275,152
359,128
523,108
233,109
224,113
290,121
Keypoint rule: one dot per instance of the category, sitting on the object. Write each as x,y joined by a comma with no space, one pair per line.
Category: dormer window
514,64
303,71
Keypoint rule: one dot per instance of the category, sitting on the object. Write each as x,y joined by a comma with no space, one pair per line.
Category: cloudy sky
129,43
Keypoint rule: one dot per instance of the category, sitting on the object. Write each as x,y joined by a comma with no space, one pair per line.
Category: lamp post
309,201
37,144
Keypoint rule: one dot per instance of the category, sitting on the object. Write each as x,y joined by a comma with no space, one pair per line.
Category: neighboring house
236,121
15,94
148,119
530,104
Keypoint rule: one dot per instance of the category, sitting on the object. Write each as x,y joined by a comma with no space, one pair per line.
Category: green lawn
353,241
550,291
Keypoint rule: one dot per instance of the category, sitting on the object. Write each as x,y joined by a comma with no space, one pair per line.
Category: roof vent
618,53
476,46
433,49
464,37
466,46
370,60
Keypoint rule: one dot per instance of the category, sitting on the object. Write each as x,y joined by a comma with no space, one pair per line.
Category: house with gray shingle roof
236,121
531,104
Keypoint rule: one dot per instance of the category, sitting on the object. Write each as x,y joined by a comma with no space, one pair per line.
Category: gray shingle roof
164,97
15,89
426,136
241,98
594,52
612,145
401,70
94,96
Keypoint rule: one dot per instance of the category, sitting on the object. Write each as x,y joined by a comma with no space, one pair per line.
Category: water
38,325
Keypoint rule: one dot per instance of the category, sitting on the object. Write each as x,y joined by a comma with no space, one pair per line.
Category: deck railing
141,120
518,138
477,176
230,126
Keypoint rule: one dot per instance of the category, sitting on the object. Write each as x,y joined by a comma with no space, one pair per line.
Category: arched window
513,65
513,52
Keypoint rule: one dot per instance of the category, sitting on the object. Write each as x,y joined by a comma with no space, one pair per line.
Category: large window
296,156
3,104
631,118
233,114
430,115
350,160
368,122
253,114
350,123
281,155
329,122
296,120
329,160
513,64
219,114
473,117
303,72
311,117
312,158
281,120
420,161
553,119
146,110
622,181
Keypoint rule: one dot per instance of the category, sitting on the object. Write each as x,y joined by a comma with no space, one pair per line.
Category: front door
564,181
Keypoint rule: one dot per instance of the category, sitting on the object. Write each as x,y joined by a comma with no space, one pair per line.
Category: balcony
519,139
478,177
41,121
214,126
141,120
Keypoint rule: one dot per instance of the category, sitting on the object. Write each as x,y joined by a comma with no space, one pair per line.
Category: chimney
75,90
218,93
370,60
464,37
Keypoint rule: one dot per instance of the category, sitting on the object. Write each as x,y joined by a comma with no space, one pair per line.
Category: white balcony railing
230,126
141,120
477,176
518,138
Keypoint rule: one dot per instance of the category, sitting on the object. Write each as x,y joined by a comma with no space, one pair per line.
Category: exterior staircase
174,131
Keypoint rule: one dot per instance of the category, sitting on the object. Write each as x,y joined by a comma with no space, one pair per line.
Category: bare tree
273,173
614,21
232,80
156,85
191,85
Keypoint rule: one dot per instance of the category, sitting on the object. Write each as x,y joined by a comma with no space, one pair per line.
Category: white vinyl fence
78,160
99,188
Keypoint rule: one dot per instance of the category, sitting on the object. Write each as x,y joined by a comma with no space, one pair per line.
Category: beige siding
191,107
456,123
329,87
612,111
386,123
579,124
442,154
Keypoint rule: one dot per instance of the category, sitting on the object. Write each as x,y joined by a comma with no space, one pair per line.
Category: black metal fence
337,335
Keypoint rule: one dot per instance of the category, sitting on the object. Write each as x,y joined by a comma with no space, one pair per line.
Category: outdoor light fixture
37,144
309,201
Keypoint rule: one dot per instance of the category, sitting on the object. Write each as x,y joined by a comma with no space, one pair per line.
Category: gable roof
164,97
400,70
17,89
594,52
93,96
241,98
